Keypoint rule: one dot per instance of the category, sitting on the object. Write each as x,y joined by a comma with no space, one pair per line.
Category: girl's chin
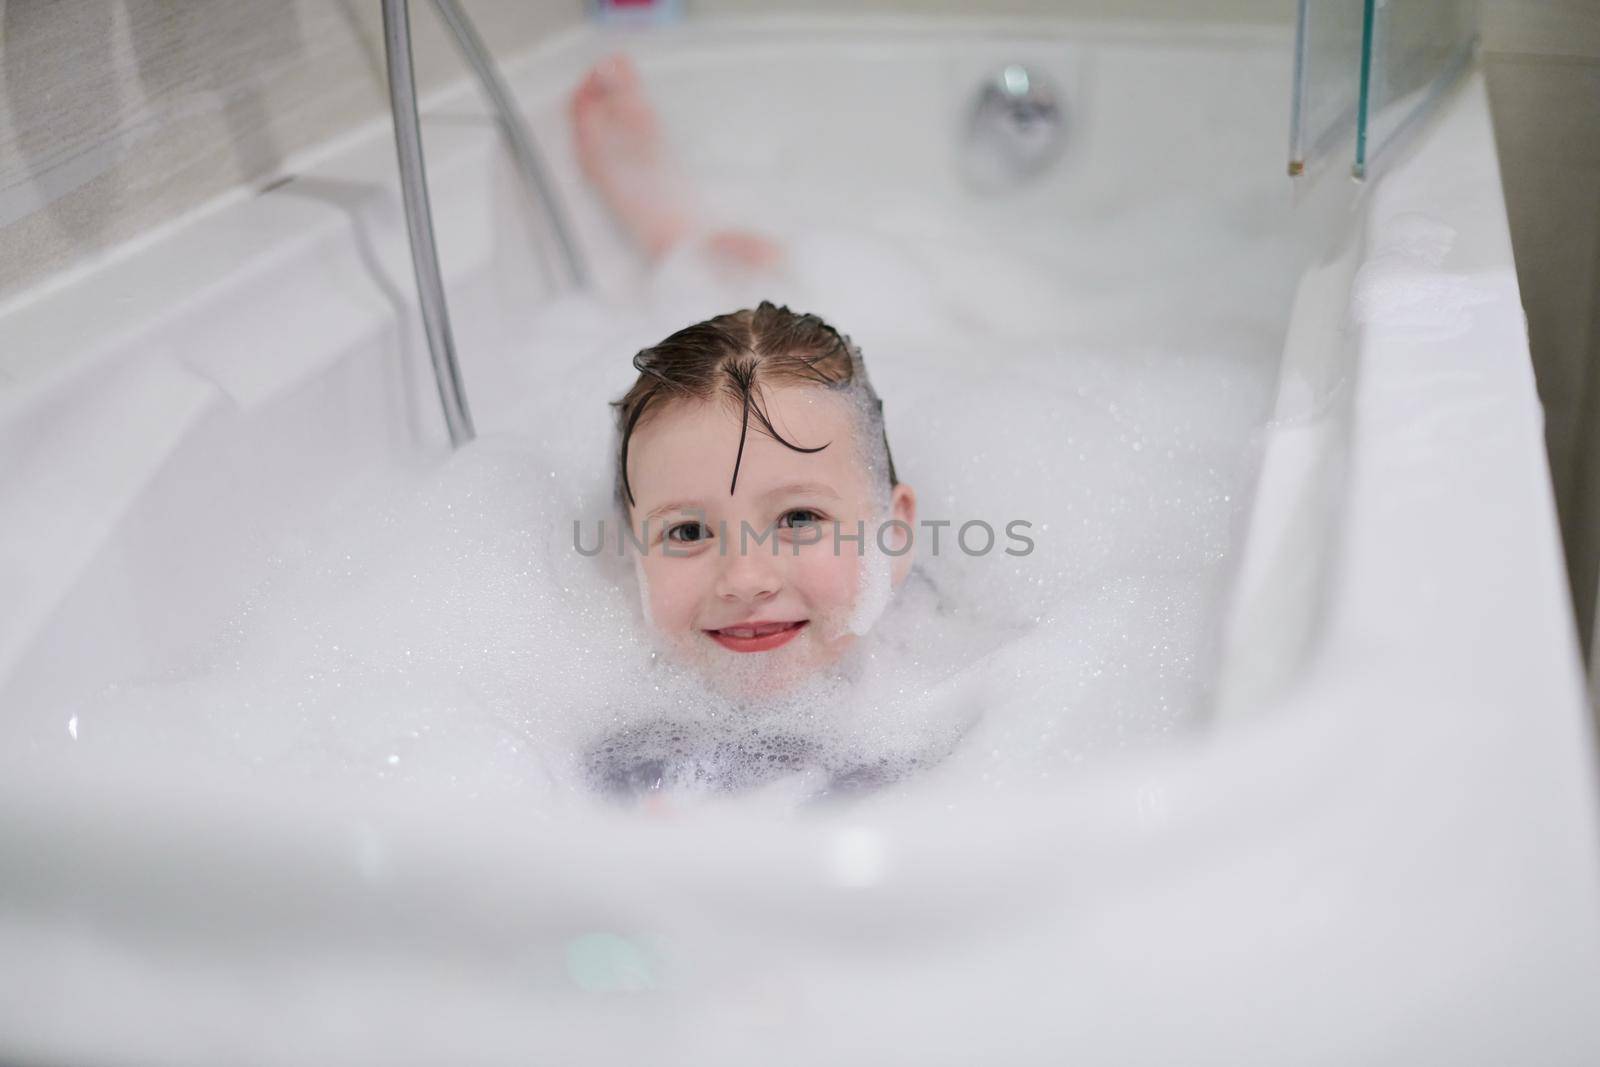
766,673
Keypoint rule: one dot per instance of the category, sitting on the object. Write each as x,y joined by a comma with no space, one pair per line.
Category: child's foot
619,148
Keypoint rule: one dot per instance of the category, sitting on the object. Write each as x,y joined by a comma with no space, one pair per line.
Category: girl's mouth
756,636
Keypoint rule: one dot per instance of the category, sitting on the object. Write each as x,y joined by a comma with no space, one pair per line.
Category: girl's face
770,579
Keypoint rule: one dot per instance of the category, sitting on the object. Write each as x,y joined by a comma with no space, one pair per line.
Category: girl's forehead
687,449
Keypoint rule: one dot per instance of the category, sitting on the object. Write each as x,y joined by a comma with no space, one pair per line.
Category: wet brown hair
735,356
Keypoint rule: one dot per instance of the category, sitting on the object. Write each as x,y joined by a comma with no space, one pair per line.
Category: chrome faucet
1016,130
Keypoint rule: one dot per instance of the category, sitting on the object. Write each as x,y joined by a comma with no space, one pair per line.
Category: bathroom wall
117,115
1543,63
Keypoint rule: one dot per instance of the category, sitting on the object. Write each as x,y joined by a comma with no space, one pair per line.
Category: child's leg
620,150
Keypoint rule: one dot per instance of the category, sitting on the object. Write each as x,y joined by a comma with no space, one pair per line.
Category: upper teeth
755,631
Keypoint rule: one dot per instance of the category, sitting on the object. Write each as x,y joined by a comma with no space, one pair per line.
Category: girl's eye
688,532
800,517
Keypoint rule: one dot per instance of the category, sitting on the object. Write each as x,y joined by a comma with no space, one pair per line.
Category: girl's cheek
830,580
670,592
831,587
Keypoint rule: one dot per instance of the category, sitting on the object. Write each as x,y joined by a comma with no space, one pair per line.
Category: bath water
437,629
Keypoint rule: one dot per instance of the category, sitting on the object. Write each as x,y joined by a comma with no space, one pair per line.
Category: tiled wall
116,115
1543,63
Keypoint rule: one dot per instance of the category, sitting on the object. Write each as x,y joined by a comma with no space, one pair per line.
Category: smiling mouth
757,636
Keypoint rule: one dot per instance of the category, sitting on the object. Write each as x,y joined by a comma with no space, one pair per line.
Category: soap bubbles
436,630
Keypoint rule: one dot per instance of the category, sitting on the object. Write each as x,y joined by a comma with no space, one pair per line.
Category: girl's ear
903,509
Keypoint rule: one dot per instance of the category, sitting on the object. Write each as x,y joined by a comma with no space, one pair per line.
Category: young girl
753,468
753,471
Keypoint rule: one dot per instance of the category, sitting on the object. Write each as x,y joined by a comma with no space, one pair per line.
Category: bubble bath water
441,631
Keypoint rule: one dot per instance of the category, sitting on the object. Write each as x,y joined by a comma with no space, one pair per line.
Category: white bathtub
1381,848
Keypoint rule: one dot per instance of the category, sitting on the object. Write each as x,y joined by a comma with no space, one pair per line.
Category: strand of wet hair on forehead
743,373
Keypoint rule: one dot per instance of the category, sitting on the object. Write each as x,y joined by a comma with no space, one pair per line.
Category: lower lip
764,643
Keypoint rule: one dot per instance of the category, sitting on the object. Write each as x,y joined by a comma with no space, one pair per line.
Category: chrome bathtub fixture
414,188
419,221
517,134
1017,128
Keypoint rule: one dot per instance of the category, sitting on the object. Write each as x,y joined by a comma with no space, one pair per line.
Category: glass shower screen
1367,69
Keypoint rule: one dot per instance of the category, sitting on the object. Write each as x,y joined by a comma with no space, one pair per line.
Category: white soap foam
1404,285
874,587
442,632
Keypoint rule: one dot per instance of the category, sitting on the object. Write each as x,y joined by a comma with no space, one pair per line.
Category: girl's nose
749,576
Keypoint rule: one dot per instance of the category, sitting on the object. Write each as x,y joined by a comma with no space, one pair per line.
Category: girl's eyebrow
676,505
801,489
